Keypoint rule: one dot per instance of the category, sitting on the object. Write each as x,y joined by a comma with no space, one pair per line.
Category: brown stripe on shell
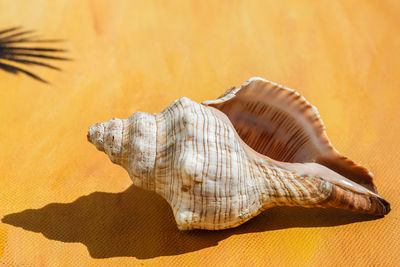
344,199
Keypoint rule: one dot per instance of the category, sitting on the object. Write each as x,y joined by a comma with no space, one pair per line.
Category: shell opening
281,124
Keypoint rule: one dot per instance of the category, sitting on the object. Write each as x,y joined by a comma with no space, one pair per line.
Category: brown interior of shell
279,123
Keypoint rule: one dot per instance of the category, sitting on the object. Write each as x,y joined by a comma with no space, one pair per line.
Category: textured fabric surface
65,204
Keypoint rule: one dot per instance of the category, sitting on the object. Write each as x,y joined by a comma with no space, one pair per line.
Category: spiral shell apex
130,143
220,163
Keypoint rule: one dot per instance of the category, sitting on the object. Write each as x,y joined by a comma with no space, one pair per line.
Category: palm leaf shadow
20,49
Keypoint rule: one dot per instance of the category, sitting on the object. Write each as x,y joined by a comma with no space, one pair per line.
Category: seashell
220,163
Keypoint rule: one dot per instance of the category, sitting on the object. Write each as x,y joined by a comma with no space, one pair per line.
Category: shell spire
193,157
130,143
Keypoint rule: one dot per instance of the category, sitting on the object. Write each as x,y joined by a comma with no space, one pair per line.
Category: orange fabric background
66,204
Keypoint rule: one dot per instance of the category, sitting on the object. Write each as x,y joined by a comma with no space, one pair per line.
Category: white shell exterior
192,156
207,176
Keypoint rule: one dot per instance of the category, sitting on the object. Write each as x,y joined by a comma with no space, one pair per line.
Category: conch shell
220,163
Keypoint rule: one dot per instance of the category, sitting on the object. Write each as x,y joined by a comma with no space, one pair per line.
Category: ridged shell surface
193,157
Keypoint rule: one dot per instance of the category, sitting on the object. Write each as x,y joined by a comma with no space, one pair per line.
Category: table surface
63,203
